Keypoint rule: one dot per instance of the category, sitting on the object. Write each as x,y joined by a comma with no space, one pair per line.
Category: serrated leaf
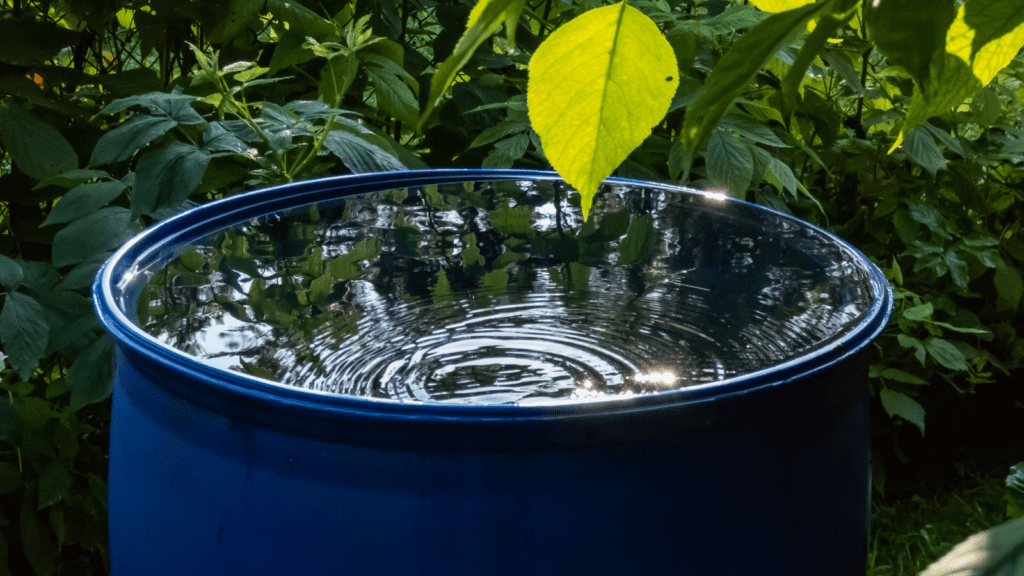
507,151
165,176
100,231
392,85
83,200
922,149
899,404
121,142
729,162
36,148
484,20
946,354
91,374
175,100
216,138
335,78
24,332
615,71
359,154
997,551
911,342
919,312
11,273
54,483
734,70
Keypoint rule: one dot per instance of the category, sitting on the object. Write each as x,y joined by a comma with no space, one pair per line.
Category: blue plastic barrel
217,472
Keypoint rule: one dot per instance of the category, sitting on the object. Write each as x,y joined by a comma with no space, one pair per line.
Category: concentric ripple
496,293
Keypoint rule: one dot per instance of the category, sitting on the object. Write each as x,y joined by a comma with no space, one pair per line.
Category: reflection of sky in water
660,290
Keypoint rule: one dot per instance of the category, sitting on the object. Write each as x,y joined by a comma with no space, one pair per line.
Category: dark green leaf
507,151
735,70
910,32
358,154
121,142
90,375
100,231
1008,284
36,539
749,128
335,78
217,139
301,19
997,551
384,17
636,246
54,483
11,273
72,178
165,176
24,332
813,46
931,217
919,312
83,200
391,83
240,14
10,478
99,489
39,276
729,162
901,376
37,148
921,148
946,354
30,40
155,101
83,274
899,404
911,342
957,268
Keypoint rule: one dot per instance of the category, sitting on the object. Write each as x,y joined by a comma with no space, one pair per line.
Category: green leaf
507,151
54,483
597,86
240,13
911,33
24,332
216,138
922,149
98,488
121,142
10,478
11,273
752,129
301,19
36,148
36,539
639,240
997,551
359,154
946,354
289,50
899,404
392,85
911,342
91,374
165,176
735,70
919,312
729,162
32,40
335,78
484,20
83,200
901,376
1008,283
100,231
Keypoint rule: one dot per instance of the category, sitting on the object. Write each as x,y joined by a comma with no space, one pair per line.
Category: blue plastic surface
217,472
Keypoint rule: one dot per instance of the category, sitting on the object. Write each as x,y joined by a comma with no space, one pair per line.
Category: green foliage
114,115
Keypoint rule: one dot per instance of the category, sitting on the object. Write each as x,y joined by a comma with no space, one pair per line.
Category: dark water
498,293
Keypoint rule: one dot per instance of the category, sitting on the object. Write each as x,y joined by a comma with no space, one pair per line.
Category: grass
908,534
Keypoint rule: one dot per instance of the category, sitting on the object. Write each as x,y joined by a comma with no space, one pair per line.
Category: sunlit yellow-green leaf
597,86
981,41
779,5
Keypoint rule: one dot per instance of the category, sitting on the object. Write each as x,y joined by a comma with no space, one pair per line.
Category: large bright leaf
780,5
597,86
484,20
981,41
997,551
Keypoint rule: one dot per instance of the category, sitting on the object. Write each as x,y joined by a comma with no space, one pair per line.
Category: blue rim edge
161,241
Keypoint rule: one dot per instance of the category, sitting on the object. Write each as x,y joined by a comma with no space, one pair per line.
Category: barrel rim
164,236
